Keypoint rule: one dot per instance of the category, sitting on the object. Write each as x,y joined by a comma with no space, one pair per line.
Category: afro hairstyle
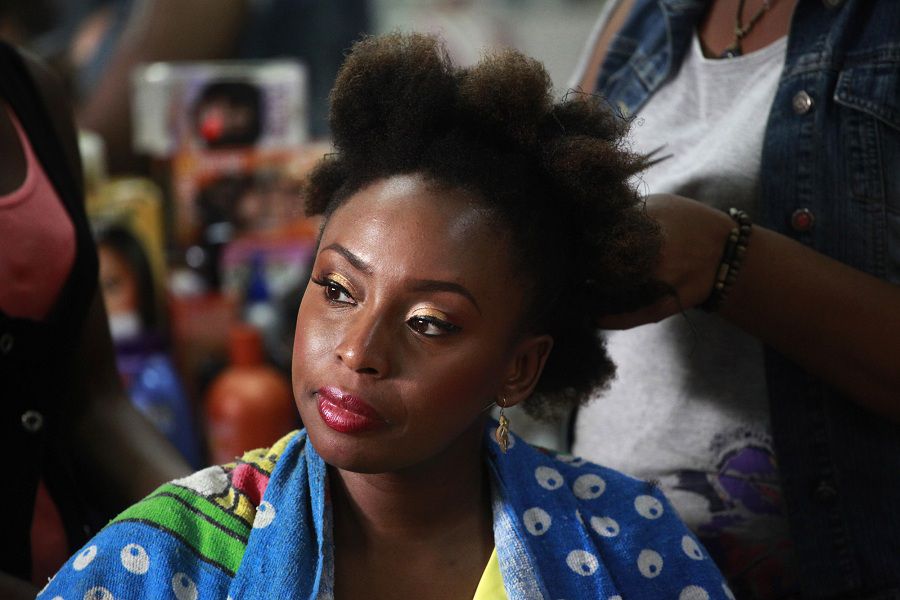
557,175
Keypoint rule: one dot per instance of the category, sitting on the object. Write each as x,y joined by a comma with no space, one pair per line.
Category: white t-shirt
688,408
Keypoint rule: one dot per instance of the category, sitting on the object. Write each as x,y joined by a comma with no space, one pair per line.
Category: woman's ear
525,368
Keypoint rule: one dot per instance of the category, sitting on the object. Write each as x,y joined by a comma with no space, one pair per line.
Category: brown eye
419,325
430,326
334,292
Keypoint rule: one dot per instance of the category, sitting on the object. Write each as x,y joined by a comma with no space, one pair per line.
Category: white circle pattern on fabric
605,526
98,593
691,548
650,563
184,587
648,507
616,597
84,558
588,487
537,521
728,591
548,478
265,514
135,559
582,562
693,592
57,598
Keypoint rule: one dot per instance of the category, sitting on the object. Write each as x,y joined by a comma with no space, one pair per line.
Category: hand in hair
837,322
693,237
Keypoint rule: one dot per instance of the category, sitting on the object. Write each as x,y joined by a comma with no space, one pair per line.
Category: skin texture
410,495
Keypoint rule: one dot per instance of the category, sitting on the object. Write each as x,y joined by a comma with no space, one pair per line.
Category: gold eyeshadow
340,280
429,312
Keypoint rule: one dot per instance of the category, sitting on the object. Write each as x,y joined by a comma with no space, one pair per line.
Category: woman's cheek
313,337
465,378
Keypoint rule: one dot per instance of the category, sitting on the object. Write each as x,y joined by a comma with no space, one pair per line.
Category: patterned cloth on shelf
261,528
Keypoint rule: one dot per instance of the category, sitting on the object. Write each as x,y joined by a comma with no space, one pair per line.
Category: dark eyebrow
358,263
433,285
419,285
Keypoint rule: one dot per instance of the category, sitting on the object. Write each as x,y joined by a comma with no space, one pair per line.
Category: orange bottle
250,404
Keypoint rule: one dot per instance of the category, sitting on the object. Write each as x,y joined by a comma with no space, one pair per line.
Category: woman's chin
347,452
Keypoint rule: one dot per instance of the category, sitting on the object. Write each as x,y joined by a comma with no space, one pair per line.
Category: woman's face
408,329
117,282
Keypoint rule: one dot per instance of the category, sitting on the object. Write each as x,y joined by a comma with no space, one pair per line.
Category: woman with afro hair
473,232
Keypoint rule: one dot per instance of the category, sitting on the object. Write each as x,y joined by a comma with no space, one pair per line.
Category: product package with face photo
201,106
232,139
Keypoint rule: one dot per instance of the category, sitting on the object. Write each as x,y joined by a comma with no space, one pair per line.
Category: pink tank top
37,241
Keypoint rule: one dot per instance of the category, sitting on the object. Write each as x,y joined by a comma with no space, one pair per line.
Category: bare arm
122,452
156,30
840,324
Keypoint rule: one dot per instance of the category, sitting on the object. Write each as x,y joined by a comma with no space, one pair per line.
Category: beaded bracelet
732,257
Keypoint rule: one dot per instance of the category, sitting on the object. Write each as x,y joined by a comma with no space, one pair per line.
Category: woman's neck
413,532
428,499
717,29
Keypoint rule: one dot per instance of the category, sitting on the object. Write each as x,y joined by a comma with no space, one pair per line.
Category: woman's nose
363,346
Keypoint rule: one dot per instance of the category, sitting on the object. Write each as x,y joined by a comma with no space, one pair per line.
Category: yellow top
491,585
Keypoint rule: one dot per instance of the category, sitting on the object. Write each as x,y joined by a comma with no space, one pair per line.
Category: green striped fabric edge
215,535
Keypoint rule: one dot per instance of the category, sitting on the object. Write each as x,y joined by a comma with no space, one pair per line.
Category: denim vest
830,179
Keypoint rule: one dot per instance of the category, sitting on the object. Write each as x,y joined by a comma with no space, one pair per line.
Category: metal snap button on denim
825,493
802,220
802,102
6,343
32,421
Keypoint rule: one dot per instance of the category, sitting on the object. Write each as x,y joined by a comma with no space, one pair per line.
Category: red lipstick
346,413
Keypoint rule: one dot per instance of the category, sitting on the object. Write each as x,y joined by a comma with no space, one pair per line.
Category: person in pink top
61,395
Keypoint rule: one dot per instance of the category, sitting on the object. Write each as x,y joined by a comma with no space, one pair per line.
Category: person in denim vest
771,423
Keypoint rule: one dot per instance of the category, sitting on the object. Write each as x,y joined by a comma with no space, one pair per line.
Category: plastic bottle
260,309
250,404
155,390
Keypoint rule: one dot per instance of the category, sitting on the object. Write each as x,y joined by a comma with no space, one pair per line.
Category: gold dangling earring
502,433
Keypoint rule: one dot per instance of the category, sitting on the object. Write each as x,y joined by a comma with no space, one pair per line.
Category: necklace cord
741,30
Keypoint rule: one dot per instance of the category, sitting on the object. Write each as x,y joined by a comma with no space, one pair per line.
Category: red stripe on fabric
250,482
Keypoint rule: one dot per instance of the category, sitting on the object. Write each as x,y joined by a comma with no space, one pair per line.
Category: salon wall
552,31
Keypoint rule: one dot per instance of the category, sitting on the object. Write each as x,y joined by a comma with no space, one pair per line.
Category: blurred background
198,120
